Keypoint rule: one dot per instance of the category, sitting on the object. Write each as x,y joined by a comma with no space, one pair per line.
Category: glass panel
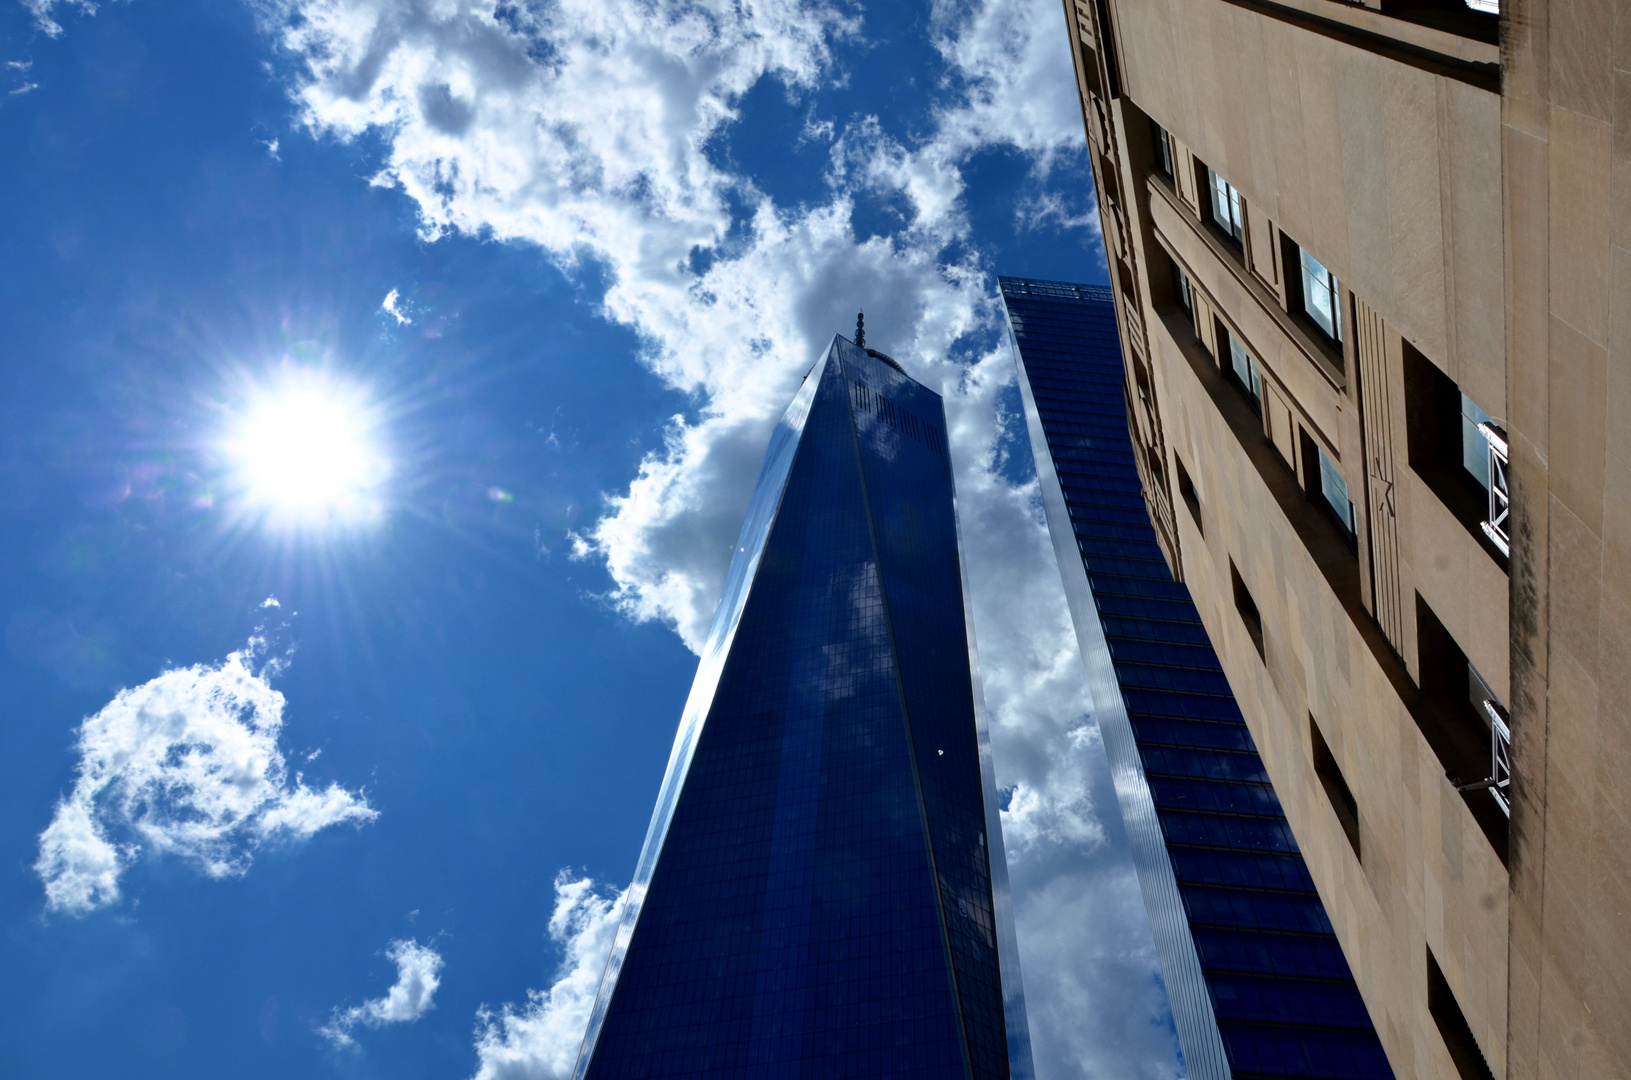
1226,206
1245,368
821,900
1474,447
1163,150
1321,298
1335,490
1247,950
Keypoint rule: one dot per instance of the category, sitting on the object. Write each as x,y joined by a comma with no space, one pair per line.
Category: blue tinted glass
1335,490
1321,297
1474,447
1283,999
821,903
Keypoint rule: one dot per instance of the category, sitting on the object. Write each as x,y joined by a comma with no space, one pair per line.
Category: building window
1163,150
1465,724
1227,213
1459,452
1247,607
1186,488
1336,787
1334,490
1182,290
1453,1026
1496,721
1474,445
1244,370
1322,298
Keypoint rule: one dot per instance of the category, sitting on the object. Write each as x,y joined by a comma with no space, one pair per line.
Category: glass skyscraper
822,892
1258,984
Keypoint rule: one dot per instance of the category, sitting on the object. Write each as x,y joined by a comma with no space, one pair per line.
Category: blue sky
378,827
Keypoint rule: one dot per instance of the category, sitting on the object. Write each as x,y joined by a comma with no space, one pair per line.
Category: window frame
1233,222
1166,162
1186,490
1330,476
1251,383
1330,288
1474,442
1246,607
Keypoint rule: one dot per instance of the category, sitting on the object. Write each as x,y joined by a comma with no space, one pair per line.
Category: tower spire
860,329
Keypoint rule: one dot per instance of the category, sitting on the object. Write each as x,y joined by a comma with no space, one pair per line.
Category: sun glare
307,452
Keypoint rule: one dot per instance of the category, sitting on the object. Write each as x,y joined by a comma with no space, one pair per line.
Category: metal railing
1500,759
1500,501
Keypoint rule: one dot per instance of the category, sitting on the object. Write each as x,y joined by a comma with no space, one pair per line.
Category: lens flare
307,452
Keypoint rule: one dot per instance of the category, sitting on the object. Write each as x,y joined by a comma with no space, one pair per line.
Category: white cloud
1104,1013
42,9
418,974
582,128
186,764
392,306
540,1040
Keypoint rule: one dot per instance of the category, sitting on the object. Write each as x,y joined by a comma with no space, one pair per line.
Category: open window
1479,20
1467,726
1459,451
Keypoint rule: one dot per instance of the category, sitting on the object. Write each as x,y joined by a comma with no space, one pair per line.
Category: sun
306,450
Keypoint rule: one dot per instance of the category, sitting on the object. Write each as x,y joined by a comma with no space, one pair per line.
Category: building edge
1204,1057
1020,1063
762,510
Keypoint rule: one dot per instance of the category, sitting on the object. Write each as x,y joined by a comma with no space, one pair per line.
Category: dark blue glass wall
820,899
1280,992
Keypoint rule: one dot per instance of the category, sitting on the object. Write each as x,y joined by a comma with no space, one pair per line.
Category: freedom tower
822,891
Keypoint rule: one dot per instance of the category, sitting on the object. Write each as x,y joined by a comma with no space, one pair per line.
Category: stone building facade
1372,273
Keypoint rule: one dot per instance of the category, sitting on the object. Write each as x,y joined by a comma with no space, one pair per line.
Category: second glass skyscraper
1258,983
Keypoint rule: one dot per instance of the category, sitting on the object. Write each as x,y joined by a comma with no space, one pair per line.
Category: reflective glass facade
822,893
1258,984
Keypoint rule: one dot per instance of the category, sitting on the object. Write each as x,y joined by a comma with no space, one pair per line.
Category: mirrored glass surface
1264,972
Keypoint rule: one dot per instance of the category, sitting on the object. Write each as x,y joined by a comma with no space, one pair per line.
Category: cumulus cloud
584,128
1103,1014
540,1040
187,764
418,974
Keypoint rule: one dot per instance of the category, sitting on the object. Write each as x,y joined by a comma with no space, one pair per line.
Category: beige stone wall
1567,144
1388,173
1477,203
1428,876
1379,146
